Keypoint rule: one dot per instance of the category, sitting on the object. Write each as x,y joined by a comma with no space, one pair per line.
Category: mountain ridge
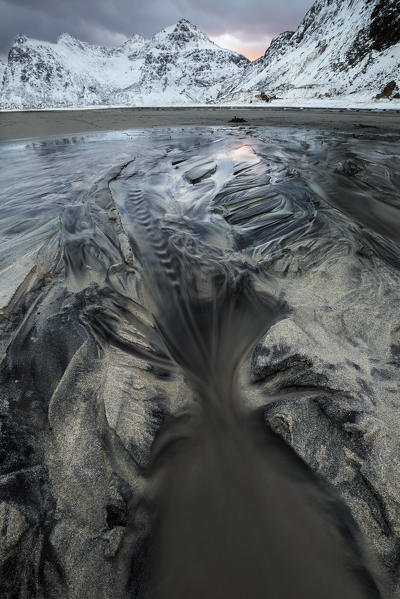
342,47
345,50
180,62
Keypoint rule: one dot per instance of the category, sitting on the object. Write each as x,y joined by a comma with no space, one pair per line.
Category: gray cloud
245,24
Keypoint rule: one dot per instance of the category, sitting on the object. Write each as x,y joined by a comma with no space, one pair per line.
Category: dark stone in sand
349,167
237,119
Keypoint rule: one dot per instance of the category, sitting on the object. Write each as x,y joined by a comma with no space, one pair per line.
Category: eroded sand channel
192,301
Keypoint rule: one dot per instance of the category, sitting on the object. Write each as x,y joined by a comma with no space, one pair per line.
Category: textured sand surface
22,125
200,377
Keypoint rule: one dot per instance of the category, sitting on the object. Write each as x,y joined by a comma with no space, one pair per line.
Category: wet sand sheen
26,124
202,317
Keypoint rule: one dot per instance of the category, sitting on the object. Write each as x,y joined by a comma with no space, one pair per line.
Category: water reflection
209,279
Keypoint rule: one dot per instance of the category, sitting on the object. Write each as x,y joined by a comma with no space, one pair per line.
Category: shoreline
19,125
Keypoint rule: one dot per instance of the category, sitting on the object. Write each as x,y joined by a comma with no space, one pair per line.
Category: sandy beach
28,124
219,296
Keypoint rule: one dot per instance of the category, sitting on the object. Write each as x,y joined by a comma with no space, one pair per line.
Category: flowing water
201,340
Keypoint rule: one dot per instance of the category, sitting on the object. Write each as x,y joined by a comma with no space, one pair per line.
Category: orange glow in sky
252,50
252,54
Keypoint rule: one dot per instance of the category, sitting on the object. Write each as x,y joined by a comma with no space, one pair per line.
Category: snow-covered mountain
2,69
342,47
178,65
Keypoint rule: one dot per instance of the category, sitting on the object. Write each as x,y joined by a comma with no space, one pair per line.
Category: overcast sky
244,26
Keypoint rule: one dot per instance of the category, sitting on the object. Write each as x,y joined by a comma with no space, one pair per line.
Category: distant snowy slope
2,69
67,72
177,65
342,47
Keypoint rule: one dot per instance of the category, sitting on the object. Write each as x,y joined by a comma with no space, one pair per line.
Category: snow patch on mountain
2,69
341,48
345,51
178,65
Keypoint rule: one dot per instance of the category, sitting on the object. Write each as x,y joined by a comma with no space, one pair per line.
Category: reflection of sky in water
39,179
256,194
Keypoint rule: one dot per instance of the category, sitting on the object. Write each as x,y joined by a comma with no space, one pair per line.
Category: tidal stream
200,365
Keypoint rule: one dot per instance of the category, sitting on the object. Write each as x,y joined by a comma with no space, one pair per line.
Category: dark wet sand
22,125
199,319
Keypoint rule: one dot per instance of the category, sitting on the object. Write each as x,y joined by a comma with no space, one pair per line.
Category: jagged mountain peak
135,37
20,38
66,38
183,34
342,47
180,64
70,42
184,25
